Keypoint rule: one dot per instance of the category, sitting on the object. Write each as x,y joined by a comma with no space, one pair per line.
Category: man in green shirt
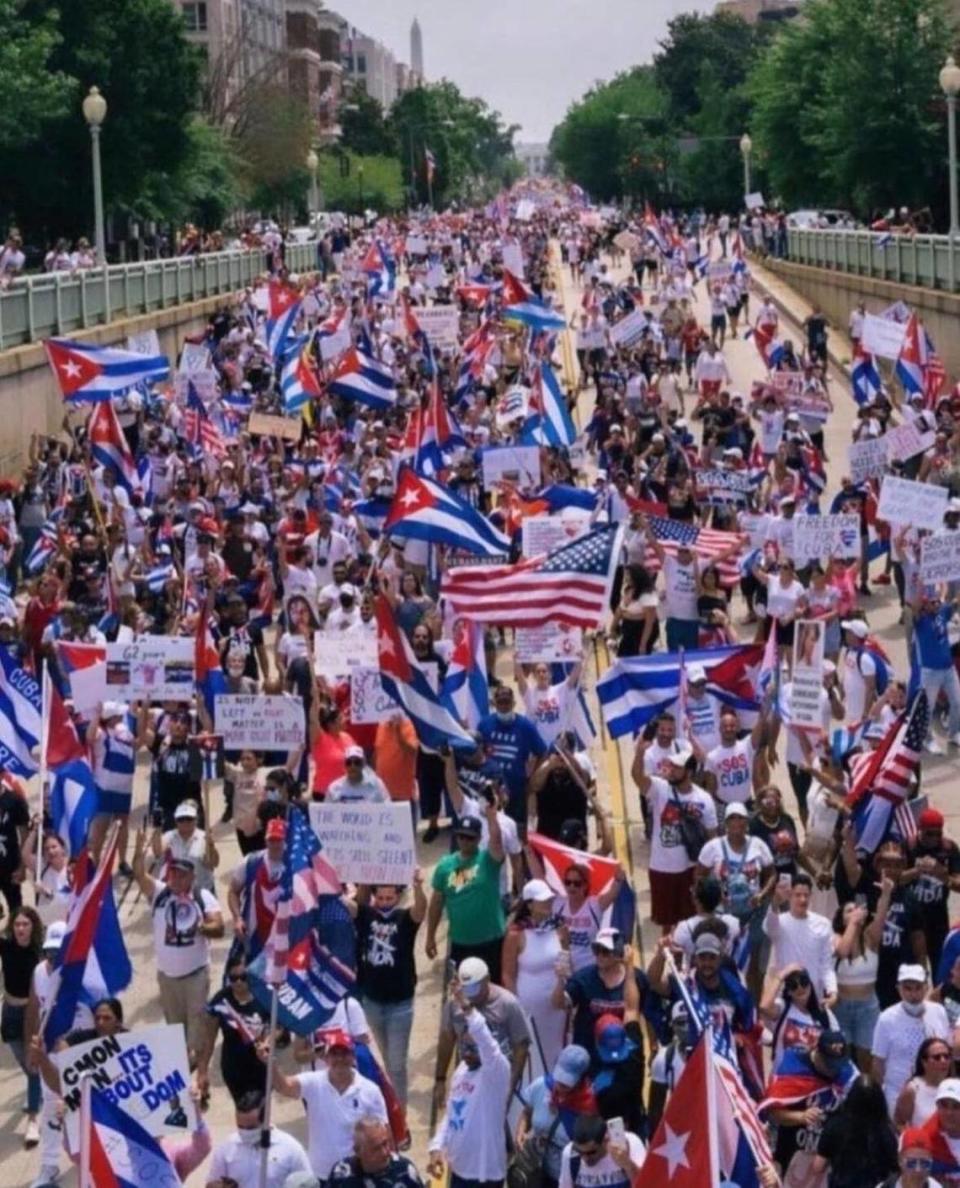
467,884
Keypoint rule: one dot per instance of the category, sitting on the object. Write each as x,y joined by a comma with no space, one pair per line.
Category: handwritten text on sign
159,667
940,557
906,502
260,723
144,1072
817,537
367,843
868,458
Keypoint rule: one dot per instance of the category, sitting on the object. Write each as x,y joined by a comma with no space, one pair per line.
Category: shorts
785,633
671,897
114,804
718,322
857,1018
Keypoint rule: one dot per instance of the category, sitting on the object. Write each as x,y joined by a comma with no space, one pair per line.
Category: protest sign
513,259
335,653
940,558
143,1072
903,441
203,380
549,644
257,722
719,270
787,383
807,682
882,336
144,342
155,668
367,843
906,502
626,241
518,464
525,210
416,245
755,524
194,357
725,486
868,458
333,345
818,537
436,278
754,201
288,428
629,329
441,324
369,701
543,534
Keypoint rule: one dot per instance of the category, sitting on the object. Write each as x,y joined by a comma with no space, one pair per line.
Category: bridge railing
53,304
929,261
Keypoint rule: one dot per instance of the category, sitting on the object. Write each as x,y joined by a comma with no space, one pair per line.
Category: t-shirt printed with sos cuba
732,767
667,852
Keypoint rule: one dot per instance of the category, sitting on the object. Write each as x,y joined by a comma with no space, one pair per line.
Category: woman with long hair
856,946
858,1144
794,1012
636,615
20,953
918,1098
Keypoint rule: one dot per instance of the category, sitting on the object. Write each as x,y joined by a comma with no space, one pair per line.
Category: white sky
529,59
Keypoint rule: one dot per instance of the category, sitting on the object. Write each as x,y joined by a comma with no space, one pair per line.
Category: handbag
693,835
526,1166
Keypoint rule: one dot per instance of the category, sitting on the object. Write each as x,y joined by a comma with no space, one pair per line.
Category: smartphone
616,1131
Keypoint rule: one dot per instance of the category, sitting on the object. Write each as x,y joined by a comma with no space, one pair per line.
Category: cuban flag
47,542
73,803
160,572
558,496
122,1153
465,691
20,717
653,230
283,309
520,305
85,372
418,338
439,436
424,510
109,446
636,690
557,860
298,380
474,293
380,269
371,513
771,349
912,361
864,376
404,681
92,960
550,423
365,379
207,670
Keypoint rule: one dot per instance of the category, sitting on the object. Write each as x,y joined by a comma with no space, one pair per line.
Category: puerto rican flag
122,1153
864,376
283,309
439,436
109,446
424,510
550,423
912,362
95,373
520,305
298,380
363,378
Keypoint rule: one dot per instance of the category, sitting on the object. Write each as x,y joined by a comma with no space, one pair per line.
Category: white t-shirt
331,1116
683,933
604,1173
239,1160
732,768
667,854
179,945
782,600
680,589
549,709
858,664
656,759
509,836
897,1037
720,858
703,716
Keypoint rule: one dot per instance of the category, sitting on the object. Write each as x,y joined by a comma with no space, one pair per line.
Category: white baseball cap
537,890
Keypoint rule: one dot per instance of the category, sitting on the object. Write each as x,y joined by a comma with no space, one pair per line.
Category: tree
273,144
31,92
364,126
353,183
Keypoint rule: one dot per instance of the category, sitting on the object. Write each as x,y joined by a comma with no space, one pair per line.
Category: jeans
935,679
13,1025
391,1024
857,1018
682,633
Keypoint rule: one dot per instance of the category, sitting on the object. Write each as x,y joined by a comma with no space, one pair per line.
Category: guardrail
52,304
930,261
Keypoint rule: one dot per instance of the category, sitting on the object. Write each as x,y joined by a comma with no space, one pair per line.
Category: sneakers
934,746
431,833
31,1136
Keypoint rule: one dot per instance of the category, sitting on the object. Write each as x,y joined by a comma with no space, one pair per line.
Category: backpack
738,890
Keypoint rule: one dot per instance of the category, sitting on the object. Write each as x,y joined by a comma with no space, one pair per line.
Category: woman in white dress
532,948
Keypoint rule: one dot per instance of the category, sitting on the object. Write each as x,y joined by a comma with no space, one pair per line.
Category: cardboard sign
518,464
940,558
336,653
157,668
367,843
868,458
629,329
807,674
370,703
288,428
906,502
904,441
543,534
441,324
144,342
817,537
552,643
259,722
882,336
144,1072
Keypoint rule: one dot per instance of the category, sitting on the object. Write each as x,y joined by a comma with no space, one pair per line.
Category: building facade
314,63
534,158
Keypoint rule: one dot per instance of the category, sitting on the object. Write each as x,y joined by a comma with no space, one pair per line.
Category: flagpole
44,740
713,1133
268,1103
86,1126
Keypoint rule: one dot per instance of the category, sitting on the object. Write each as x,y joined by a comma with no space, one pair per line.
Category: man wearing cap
185,920
859,670
593,1157
610,985
902,1028
254,888
681,576
937,672
335,1099
185,840
360,782
375,1163
671,862
238,1159
933,871
940,1135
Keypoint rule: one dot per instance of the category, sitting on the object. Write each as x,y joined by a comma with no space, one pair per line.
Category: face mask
506,719
913,1008
249,1135
273,794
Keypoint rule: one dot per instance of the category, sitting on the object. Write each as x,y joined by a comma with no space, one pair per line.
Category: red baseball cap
336,1037
930,818
276,829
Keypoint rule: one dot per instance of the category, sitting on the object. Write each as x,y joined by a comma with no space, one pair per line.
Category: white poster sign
194,357
629,329
157,668
906,502
440,323
818,537
543,534
517,464
204,381
258,722
367,843
754,201
335,653
940,558
807,674
882,337
369,701
868,458
144,342
145,1072
551,643
525,210
904,441
416,245
513,259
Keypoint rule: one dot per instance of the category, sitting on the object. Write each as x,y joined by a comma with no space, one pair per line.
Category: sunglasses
354,763
917,1163
573,883
237,977
798,983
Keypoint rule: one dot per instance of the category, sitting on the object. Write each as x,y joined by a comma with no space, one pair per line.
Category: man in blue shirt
513,746
937,671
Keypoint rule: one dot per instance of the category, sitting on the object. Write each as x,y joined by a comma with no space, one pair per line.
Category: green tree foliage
273,144
722,44
207,187
364,125
136,53
353,183
847,104
31,91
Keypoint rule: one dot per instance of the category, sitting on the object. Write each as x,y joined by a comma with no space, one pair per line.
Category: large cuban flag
424,510
361,377
87,372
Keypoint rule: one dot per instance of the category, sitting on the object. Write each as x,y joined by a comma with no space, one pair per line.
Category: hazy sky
529,59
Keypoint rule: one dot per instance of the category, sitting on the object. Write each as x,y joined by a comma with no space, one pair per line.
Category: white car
812,220
301,235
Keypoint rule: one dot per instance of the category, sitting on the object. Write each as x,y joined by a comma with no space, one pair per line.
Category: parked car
811,220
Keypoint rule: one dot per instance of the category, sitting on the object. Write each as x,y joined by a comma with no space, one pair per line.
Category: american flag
934,377
707,543
570,585
198,429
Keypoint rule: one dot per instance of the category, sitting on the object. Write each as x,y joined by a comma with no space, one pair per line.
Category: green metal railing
929,261
53,304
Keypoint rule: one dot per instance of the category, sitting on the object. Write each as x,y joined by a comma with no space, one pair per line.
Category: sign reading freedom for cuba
145,1073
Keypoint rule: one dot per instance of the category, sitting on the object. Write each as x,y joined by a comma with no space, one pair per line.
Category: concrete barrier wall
837,293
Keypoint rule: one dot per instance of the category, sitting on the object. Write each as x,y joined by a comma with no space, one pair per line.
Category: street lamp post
950,85
95,112
746,148
313,163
